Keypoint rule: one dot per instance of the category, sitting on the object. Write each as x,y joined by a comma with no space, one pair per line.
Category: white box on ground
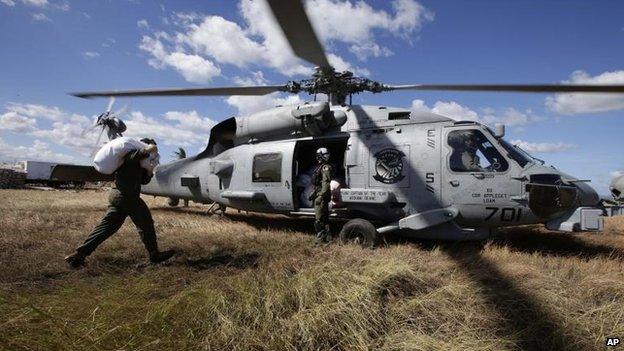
583,219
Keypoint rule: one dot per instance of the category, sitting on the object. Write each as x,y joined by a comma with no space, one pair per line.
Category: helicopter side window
473,152
267,168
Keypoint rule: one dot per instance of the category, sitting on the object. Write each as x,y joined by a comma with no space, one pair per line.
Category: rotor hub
337,85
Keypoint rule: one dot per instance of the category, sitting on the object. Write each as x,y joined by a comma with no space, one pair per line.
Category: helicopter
397,169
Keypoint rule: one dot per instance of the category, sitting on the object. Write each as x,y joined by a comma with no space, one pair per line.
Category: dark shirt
130,175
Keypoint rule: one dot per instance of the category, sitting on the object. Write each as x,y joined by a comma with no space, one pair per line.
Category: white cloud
190,129
67,129
75,136
355,22
259,42
193,68
510,116
63,6
577,103
74,131
449,109
190,121
143,24
542,147
257,78
91,54
36,3
109,42
38,151
12,121
223,40
36,111
40,17
247,105
366,50
41,4
341,65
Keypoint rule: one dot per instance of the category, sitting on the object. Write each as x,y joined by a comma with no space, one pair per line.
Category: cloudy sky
51,47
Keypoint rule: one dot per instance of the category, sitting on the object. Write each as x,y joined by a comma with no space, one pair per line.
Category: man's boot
326,234
75,260
320,233
161,256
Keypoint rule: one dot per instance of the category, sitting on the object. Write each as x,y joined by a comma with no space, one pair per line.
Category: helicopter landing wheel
360,231
173,202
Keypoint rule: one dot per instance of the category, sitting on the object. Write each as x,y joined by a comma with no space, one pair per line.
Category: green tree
180,154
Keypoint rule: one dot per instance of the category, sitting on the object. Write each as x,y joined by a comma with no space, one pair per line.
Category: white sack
112,154
305,194
151,161
335,187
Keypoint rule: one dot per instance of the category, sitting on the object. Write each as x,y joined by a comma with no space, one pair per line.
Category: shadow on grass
524,319
257,220
531,240
243,261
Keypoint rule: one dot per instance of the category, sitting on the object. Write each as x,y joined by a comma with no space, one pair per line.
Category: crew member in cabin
125,201
322,195
464,157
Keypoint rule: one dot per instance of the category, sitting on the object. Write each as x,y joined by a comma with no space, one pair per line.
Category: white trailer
37,171
62,174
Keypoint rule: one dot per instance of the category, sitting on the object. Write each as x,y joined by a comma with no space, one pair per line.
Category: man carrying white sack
124,200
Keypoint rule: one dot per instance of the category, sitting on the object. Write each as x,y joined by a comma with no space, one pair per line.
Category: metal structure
415,173
59,174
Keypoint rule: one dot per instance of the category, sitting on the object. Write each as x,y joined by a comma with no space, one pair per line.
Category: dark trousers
119,208
321,217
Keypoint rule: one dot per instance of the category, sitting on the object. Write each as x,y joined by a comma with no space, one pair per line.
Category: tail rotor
110,122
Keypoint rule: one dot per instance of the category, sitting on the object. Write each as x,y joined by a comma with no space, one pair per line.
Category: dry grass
256,282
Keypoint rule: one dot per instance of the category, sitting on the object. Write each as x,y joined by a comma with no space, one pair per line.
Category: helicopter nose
587,195
548,198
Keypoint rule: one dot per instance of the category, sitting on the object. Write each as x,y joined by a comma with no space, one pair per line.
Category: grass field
257,283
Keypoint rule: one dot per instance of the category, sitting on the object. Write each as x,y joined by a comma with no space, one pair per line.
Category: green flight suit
125,201
322,196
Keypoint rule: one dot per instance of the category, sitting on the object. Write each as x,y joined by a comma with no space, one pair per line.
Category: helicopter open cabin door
271,167
478,177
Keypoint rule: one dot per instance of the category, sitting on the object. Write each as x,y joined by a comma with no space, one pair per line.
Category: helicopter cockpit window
516,153
267,168
473,152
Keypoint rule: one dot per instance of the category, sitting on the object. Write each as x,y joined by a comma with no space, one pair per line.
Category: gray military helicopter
414,173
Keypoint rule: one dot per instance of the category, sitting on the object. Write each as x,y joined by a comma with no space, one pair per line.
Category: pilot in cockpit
465,146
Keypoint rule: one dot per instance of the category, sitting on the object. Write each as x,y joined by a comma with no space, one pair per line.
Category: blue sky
51,47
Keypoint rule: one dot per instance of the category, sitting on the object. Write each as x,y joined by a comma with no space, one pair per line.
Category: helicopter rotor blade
122,110
97,142
522,88
111,101
88,130
295,24
221,91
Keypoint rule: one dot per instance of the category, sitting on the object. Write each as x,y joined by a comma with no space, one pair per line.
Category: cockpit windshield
516,153
472,151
